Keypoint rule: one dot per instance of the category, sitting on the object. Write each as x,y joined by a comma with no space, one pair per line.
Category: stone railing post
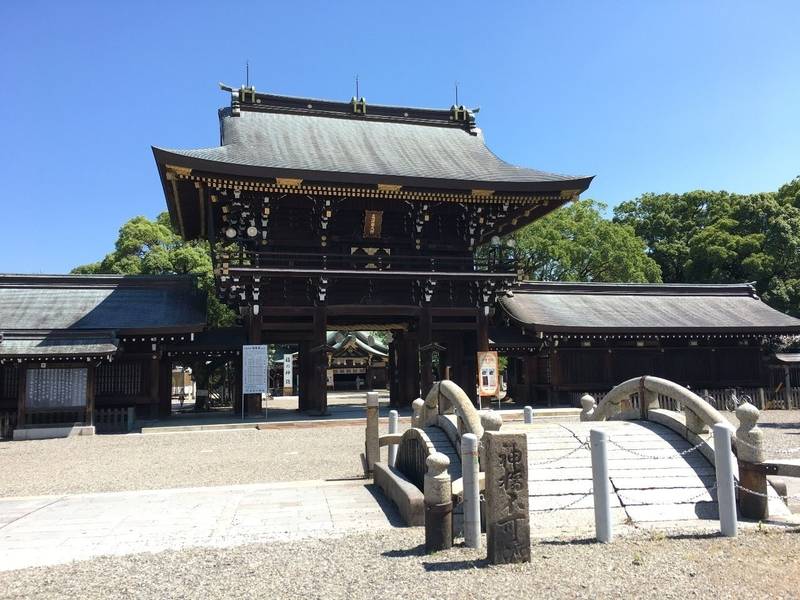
508,527
528,412
394,427
601,485
373,443
470,467
417,407
750,454
726,491
588,405
491,421
438,492
694,423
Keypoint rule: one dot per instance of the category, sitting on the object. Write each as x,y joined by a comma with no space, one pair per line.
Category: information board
255,370
487,373
288,373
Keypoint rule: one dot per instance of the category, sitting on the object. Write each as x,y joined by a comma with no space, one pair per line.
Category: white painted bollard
528,410
726,495
394,427
601,485
472,494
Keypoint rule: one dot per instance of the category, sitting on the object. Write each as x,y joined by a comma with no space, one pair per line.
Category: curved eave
166,157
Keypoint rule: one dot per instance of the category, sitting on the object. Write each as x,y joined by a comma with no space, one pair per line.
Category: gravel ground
107,463
392,565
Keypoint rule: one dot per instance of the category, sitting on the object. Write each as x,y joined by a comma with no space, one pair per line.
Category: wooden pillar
412,391
392,373
483,330
252,402
470,377
154,388
303,375
426,350
22,390
91,371
788,386
164,379
319,363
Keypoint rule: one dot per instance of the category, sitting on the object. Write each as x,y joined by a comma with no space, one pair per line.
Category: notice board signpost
255,371
487,375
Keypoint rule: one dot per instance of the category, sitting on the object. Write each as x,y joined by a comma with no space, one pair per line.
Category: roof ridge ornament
245,93
359,106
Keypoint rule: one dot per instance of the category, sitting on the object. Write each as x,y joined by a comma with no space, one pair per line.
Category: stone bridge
661,461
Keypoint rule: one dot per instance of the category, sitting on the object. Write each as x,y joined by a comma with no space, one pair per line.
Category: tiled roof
125,304
606,308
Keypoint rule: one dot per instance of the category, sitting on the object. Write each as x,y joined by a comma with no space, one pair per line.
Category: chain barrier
548,461
564,507
768,496
680,454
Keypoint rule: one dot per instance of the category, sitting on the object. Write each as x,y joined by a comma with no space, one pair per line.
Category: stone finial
751,449
588,404
437,464
491,420
417,406
437,484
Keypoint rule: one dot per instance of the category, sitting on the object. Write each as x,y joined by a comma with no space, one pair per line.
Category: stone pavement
48,530
652,485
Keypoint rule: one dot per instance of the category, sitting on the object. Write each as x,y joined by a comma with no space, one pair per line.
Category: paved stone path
47,530
660,489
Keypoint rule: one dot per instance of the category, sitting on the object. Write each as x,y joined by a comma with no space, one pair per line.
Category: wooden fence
721,399
114,420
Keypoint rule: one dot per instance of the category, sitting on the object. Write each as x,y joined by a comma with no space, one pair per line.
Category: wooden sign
487,373
373,221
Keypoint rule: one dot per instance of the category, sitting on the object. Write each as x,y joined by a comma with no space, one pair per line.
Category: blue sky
648,96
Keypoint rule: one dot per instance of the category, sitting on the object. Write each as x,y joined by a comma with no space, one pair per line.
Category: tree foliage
576,243
718,237
146,247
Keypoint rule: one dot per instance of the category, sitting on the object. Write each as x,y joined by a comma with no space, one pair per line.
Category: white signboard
255,371
288,374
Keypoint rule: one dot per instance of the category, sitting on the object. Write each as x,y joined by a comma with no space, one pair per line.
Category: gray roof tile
588,307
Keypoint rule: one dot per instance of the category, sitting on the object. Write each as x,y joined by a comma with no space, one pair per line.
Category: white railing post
394,427
726,498
472,501
601,485
528,411
373,444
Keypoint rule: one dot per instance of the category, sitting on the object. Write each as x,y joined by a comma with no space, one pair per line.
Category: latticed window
119,379
9,381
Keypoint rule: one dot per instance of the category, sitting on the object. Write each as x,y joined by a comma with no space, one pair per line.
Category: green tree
576,243
718,237
146,247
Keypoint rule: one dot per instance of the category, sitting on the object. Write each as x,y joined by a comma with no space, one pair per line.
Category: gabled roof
360,341
267,137
644,308
123,304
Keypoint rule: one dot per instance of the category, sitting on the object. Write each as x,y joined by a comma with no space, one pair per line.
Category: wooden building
565,339
357,360
73,346
331,215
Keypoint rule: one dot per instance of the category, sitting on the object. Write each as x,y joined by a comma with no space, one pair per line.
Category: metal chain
680,454
548,461
760,495
564,507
